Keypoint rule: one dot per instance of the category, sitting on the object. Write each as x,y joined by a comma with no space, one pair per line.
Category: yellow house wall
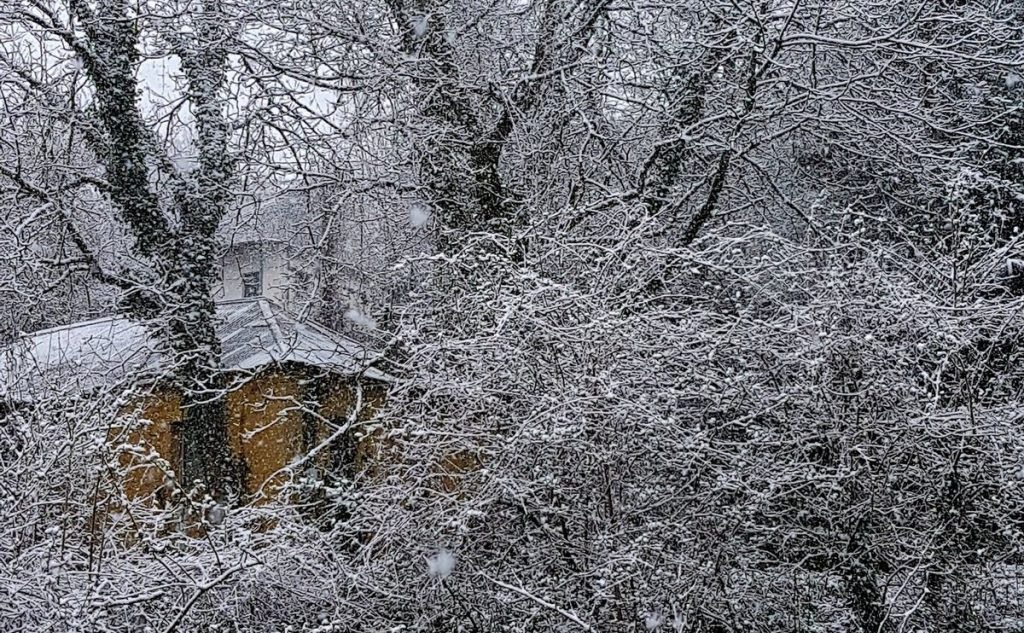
338,405
153,430
265,429
266,418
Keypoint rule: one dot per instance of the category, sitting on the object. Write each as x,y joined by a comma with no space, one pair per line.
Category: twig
202,588
569,615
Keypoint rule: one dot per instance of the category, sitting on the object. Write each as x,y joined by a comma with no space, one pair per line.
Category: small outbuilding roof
104,352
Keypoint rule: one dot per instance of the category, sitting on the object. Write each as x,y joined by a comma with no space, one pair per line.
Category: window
252,284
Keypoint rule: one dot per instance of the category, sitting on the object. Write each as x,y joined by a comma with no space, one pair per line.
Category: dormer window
252,284
251,270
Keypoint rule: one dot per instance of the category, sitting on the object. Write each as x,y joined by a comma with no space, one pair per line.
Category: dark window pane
252,285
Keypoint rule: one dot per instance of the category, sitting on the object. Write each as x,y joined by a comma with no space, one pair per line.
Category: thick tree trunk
460,169
181,254
191,327
206,461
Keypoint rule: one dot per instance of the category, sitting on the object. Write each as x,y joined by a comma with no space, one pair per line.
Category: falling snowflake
360,318
420,24
419,215
441,564
215,515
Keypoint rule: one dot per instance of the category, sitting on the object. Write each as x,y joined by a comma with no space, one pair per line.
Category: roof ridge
223,302
271,319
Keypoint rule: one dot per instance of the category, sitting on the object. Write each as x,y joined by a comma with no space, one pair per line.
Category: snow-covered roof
104,352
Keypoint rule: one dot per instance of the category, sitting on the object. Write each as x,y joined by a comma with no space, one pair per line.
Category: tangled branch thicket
703,316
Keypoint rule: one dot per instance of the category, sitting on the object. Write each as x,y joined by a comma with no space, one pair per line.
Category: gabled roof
104,352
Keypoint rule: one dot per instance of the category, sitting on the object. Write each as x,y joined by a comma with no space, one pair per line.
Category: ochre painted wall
275,419
265,429
338,405
153,430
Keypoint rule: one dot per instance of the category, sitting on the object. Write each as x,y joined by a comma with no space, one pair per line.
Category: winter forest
360,316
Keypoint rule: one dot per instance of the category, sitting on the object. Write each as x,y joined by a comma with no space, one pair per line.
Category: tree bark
177,292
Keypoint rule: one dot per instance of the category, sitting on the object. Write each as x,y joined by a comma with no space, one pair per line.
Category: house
266,251
297,393
263,268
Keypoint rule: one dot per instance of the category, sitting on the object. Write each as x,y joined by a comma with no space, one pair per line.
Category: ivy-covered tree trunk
176,231
202,201
192,335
